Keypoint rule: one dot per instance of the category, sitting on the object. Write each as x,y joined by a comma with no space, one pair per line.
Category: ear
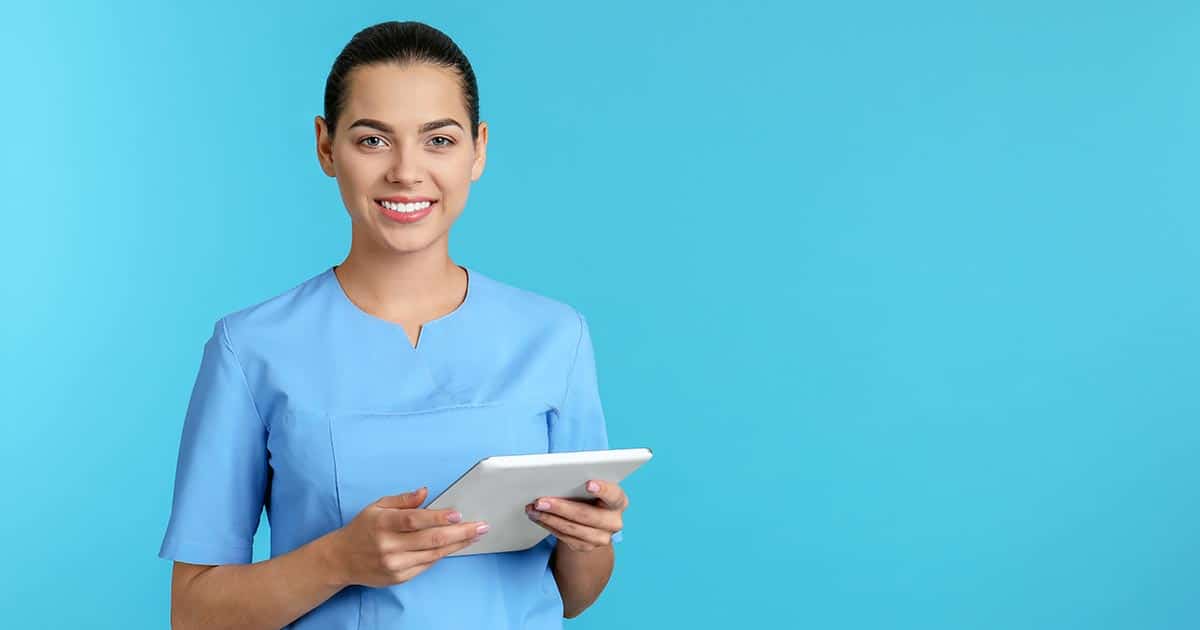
480,152
324,147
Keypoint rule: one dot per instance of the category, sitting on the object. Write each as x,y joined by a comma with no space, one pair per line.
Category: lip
404,199
407,217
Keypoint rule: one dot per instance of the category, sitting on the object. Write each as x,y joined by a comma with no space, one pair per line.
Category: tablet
496,489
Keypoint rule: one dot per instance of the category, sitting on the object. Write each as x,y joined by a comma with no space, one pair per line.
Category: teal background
902,295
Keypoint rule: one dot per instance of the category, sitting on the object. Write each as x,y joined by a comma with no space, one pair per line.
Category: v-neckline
421,330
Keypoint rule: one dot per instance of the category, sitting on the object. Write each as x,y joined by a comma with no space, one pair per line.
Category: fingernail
543,505
454,517
593,486
482,529
533,516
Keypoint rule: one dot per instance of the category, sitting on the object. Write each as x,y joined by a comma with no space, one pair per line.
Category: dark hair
402,43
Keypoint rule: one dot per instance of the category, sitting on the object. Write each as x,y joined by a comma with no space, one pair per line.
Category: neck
405,286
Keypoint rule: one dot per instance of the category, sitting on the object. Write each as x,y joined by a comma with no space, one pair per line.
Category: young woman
391,372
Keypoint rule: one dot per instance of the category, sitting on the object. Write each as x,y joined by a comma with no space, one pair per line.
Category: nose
406,167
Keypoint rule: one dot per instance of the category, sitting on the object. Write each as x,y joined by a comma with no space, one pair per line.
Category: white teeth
405,207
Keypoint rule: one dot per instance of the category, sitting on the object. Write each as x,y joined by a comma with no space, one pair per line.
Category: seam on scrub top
372,412
420,358
192,544
245,381
361,593
337,491
575,359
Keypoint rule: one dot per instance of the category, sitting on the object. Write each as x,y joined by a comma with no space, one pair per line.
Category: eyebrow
386,128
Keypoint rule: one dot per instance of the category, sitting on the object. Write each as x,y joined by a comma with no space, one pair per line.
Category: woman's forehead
404,97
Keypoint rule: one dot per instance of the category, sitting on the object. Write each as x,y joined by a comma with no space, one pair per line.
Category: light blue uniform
313,408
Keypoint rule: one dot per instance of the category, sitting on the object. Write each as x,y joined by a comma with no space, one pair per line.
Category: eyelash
448,140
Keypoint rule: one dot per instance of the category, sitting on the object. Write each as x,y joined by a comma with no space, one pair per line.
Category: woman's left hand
582,524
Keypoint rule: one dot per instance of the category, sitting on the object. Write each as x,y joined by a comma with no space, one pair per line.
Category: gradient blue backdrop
903,295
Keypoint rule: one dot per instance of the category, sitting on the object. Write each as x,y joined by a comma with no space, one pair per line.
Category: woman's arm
581,576
268,594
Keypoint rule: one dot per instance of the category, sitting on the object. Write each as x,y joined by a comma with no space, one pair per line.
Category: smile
405,212
406,207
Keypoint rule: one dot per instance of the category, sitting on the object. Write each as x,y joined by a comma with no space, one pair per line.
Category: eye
371,145
447,143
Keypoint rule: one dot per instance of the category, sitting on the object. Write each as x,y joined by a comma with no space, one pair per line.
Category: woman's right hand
391,540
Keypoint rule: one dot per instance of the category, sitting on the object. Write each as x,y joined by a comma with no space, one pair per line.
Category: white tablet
496,489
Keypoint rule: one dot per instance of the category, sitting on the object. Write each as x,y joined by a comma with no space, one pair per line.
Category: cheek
356,180
454,177
458,166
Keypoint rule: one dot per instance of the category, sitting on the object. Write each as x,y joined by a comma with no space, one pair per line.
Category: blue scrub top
313,408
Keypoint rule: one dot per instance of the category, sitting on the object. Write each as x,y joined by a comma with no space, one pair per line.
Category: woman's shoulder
279,312
523,307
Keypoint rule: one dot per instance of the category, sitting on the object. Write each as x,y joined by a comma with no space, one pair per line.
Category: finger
427,557
411,572
407,500
416,519
435,537
561,526
576,543
430,557
580,512
610,494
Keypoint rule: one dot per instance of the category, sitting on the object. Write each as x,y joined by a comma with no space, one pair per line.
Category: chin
414,241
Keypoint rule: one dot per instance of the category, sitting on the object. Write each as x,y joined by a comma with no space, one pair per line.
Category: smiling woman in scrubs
343,404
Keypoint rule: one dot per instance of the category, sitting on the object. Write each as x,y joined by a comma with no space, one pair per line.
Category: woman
393,371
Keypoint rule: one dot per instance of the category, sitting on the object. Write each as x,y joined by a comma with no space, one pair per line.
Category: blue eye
448,141
368,138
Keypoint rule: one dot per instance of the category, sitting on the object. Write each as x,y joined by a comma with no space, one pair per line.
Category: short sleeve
578,424
221,472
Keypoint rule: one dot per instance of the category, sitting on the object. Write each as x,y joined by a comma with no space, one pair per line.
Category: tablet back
496,490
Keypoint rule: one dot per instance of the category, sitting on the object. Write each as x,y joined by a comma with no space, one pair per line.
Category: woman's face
395,138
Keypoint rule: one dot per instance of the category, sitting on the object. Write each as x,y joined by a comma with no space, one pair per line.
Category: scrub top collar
334,285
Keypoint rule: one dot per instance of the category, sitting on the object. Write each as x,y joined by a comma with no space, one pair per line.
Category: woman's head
401,120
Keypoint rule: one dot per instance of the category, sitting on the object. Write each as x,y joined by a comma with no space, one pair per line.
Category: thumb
406,500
